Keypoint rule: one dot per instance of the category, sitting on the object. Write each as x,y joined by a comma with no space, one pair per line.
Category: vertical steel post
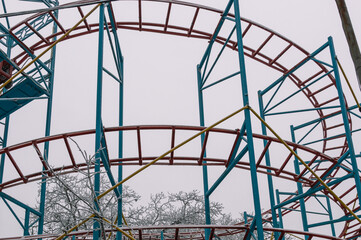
98,118
120,154
332,225
279,209
119,62
47,129
4,143
299,186
268,163
252,160
162,235
120,148
7,119
26,223
345,120
204,167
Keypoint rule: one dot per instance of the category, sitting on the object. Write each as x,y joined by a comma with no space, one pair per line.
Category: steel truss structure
319,160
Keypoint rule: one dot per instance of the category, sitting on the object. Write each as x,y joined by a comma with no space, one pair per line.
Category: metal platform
20,95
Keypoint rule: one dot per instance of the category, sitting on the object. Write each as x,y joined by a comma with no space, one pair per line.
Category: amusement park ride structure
318,162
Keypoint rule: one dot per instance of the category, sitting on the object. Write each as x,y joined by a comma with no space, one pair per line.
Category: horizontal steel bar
301,110
221,80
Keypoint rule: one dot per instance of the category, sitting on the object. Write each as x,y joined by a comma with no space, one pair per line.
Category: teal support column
4,143
98,118
252,161
120,156
119,60
204,167
26,223
299,187
162,235
120,149
47,129
355,168
7,119
268,163
332,225
279,209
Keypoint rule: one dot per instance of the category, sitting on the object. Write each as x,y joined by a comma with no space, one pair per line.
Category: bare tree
71,198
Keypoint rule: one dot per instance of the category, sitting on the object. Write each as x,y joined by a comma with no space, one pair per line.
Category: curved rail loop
324,96
188,232
281,169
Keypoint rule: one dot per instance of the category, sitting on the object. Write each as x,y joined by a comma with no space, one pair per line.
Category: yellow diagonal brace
50,47
168,152
87,219
75,227
348,84
117,228
306,166
151,163
125,222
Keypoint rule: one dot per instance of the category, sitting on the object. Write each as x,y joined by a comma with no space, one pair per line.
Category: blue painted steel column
47,129
120,148
252,160
332,225
7,119
26,223
204,167
268,163
4,143
119,63
98,118
279,209
120,156
299,187
345,120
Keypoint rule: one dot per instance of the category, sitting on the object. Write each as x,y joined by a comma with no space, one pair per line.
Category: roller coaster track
190,232
33,34
32,40
279,171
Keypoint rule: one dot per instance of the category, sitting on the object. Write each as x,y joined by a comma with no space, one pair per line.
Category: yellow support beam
168,152
118,229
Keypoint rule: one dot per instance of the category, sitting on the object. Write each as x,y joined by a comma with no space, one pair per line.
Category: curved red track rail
277,61
188,232
280,170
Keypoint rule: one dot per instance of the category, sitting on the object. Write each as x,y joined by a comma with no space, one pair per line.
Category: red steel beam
139,146
168,16
24,179
85,21
203,148
193,22
172,146
43,162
